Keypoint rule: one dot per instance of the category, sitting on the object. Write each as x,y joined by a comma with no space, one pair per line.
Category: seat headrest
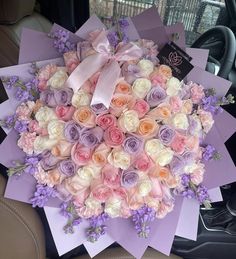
11,11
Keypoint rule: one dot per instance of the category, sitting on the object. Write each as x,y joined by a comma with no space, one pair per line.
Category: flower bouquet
111,137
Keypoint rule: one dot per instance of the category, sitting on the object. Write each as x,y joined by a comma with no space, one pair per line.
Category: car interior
212,26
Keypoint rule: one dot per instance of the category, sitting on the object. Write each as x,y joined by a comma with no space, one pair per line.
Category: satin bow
107,61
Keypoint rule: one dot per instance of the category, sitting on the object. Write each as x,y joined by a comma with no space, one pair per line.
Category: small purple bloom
155,96
72,131
129,178
113,38
185,180
208,153
10,82
21,126
42,195
67,167
61,41
31,162
91,137
166,134
132,144
8,122
21,95
123,23
202,194
188,193
63,96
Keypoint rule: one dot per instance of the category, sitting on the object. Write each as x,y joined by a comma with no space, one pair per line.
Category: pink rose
65,113
23,112
76,186
197,93
158,79
26,142
156,191
71,61
175,103
178,143
206,120
113,136
197,175
86,212
143,163
44,74
93,80
101,192
111,176
106,120
81,197
141,107
33,126
81,155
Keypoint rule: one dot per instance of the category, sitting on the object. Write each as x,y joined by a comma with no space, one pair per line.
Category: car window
196,15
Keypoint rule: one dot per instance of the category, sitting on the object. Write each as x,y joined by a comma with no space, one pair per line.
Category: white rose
141,87
180,121
56,129
153,147
92,203
165,156
173,86
119,159
81,98
42,143
144,187
190,168
146,67
113,207
44,115
86,174
58,80
129,121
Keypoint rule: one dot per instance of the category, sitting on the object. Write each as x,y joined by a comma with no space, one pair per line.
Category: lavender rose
63,96
155,96
67,167
166,134
132,144
62,193
91,137
48,161
177,165
99,108
129,178
47,97
72,131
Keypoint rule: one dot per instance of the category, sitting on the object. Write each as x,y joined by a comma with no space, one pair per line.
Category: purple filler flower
113,38
208,153
67,167
63,96
31,162
21,126
155,96
129,178
91,137
72,131
166,134
42,195
132,144
202,194
47,97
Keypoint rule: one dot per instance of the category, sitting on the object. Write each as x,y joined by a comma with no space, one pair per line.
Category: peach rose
192,143
71,60
106,120
160,113
64,113
164,71
123,88
187,106
157,79
197,175
111,176
113,136
62,149
100,154
81,155
101,192
178,143
120,102
147,127
55,177
141,107
85,117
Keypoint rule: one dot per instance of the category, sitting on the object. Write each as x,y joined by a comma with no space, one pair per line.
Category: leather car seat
15,15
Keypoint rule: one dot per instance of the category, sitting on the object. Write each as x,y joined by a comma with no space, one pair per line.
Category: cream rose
56,129
58,80
42,143
173,86
44,115
81,98
165,156
89,172
119,159
187,106
180,121
190,168
146,67
141,87
197,125
113,207
92,203
129,121
153,147
144,187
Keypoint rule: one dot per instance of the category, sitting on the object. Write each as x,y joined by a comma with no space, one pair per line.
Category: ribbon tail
106,84
85,70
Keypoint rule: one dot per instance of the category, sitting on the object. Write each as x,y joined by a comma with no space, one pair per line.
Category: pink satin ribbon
107,62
